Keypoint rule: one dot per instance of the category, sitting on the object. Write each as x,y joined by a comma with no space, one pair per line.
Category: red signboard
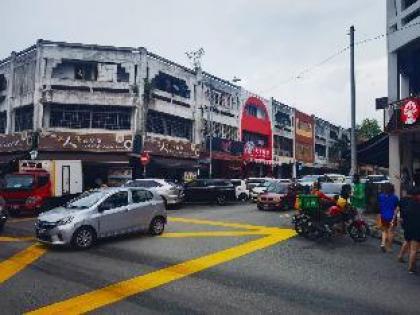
410,111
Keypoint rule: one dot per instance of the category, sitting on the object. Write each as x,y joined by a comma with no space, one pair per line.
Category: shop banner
92,142
410,111
166,147
15,142
256,154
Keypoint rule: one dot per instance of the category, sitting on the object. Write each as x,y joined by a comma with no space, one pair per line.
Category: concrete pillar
10,94
38,106
407,152
395,162
404,86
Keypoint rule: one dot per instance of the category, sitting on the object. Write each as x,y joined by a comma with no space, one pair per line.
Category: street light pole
353,169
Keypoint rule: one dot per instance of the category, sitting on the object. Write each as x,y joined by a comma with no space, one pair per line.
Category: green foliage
368,129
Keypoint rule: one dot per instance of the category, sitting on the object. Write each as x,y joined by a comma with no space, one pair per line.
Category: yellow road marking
216,223
16,239
212,234
121,290
14,264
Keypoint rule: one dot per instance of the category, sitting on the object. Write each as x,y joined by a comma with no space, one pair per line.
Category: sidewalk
370,218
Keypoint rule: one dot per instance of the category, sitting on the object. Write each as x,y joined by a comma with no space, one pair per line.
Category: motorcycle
325,226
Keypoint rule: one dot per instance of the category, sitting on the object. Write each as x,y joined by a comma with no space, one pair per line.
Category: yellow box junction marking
16,238
119,291
14,264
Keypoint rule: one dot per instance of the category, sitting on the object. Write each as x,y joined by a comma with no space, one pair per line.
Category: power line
310,69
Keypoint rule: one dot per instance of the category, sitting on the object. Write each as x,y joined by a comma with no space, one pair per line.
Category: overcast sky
264,42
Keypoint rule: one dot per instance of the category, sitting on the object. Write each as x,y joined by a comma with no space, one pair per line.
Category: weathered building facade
108,105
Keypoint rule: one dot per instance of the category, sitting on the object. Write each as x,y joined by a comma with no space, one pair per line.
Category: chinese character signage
410,112
166,147
15,142
255,153
93,142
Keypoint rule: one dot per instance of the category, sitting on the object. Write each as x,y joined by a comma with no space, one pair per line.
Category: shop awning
166,162
374,151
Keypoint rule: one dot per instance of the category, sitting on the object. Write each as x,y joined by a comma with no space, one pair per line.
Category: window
170,125
86,71
260,141
141,196
81,116
305,126
283,146
333,135
3,82
119,199
255,111
24,117
407,3
171,84
220,131
3,122
144,183
320,150
282,120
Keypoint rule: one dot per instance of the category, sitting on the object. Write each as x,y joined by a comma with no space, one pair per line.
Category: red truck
41,185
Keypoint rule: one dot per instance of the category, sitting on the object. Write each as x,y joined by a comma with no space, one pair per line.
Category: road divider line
216,223
116,292
212,234
16,238
14,264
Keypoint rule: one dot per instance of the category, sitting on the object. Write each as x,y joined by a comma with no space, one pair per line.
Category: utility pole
353,169
210,122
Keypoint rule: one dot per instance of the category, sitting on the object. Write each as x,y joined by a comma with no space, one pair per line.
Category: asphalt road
219,260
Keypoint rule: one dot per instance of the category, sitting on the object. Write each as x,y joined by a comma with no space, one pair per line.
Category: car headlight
65,221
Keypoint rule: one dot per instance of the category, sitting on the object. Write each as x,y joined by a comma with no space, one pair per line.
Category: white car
241,192
171,193
256,191
336,178
309,180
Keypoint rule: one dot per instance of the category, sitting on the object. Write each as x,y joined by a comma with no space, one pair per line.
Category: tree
368,129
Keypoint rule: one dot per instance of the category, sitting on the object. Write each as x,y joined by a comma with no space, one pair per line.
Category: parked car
332,190
171,193
377,179
336,178
241,192
102,213
3,214
261,188
277,197
309,180
210,190
255,181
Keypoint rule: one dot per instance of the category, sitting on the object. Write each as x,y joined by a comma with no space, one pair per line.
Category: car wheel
84,238
243,197
157,226
221,200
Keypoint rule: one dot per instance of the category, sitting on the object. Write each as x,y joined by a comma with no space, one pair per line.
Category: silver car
171,193
102,213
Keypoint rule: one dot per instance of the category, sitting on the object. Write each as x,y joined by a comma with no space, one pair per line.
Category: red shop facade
256,133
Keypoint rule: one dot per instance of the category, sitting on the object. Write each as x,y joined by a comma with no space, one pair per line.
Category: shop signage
410,111
145,158
166,147
15,142
254,153
93,142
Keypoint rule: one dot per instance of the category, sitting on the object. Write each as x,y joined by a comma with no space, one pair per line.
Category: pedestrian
410,217
406,181
388,203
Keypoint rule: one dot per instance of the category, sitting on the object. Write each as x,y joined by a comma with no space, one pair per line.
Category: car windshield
266,184
376,178
331,189
19,181
85,200
277,188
